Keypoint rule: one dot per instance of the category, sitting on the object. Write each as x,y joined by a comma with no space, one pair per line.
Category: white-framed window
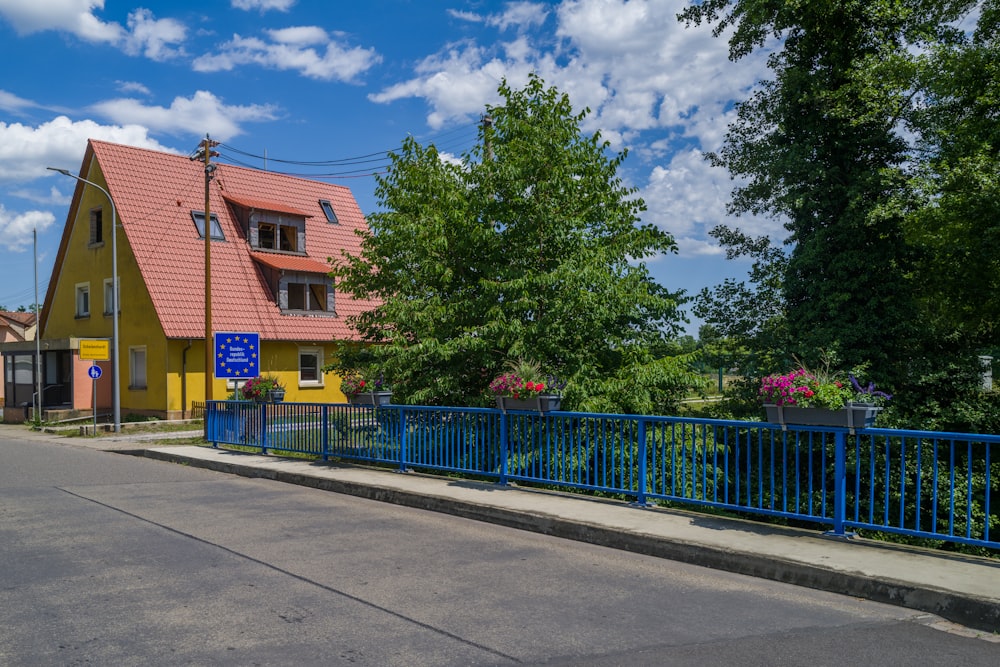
96,226
83,299
199,223
137,367
310,367
109,297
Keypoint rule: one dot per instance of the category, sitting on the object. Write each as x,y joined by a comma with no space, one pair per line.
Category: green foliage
890,234
530,248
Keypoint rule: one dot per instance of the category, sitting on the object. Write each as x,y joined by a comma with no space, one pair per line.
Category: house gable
156,194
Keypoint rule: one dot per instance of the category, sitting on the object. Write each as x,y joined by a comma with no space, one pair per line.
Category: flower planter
276,396
374,398
852,415
542,403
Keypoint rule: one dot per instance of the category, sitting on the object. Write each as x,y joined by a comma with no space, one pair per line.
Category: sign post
95,349
95,374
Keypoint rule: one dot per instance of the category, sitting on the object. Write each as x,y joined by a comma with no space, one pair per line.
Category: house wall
83,386
138,322
277,358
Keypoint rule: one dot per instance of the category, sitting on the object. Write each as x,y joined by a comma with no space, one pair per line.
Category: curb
979,613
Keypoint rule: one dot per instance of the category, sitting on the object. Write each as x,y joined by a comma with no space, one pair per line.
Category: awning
290,262
264,205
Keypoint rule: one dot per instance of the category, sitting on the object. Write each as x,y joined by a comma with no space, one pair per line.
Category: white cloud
156,39
471,17
16,229
299,35
687,198
519,15
152,37
263,5
11,102
291,49
73,16
204,112
26,151
133,87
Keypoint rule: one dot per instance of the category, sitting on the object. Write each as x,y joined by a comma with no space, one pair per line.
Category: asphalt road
107,559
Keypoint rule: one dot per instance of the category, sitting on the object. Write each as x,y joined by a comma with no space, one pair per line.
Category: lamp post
115,384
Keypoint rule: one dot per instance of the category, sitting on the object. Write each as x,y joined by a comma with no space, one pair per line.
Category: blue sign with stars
237,355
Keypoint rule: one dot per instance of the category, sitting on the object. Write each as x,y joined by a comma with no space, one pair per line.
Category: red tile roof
24,319
264,205
155,192
290,262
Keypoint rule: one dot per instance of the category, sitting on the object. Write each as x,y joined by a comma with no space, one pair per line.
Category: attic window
199,223
328,210
96,226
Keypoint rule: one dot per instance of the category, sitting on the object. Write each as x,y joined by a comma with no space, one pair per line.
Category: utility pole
487,121
206,153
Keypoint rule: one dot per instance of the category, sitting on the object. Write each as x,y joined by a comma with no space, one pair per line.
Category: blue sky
313,80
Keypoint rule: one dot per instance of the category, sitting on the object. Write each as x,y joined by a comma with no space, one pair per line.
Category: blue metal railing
939,486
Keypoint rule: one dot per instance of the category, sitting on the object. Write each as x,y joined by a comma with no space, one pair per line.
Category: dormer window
307,295
199,223
327,207
276,236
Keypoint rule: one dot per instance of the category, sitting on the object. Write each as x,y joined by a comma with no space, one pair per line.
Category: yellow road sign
95,349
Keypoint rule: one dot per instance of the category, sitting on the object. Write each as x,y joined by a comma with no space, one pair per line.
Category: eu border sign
237,355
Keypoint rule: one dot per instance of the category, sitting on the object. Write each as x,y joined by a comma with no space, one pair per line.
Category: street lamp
115,384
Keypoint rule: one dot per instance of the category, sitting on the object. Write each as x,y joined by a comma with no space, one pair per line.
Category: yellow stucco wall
185,375
138,324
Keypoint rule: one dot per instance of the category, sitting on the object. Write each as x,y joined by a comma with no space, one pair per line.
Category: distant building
271,236
15,328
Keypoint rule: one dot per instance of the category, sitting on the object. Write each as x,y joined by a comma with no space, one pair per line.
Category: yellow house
270,238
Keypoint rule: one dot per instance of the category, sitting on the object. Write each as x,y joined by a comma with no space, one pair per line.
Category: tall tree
956,181
819,146
529,248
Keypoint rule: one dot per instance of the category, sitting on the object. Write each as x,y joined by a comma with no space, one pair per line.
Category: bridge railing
939,486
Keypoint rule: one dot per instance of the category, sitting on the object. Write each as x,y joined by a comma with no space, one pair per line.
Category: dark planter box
375,398
543,403
853,415
276,396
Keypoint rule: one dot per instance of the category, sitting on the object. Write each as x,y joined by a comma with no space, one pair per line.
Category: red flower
529,385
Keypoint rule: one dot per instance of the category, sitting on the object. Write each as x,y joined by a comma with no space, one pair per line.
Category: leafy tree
819,148
956,183
889,231
529,248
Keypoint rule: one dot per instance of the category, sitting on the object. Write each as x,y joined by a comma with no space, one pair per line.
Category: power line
377,163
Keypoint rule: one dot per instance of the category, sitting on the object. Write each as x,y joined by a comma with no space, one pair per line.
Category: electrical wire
377,163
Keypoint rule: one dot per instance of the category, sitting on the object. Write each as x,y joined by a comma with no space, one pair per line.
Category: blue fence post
839,484
263,428
403,453
641,489
324,437
210,419
503,449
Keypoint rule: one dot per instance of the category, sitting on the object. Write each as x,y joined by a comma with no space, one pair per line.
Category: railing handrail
940,485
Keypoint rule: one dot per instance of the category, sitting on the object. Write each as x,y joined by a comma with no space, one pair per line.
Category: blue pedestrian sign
94,372
237,355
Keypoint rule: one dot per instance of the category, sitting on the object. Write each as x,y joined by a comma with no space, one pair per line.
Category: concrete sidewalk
963,589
